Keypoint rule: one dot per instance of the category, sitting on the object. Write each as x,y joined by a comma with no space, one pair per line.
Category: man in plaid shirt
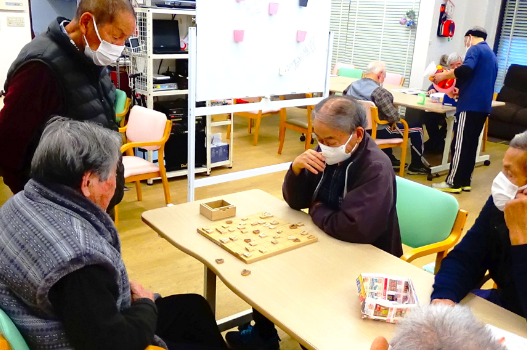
370,88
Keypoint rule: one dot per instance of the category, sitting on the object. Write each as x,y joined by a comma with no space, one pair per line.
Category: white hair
376,67
70,148
433,327
519,141
454,57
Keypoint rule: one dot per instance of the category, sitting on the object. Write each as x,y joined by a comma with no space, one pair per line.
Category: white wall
12,39
45,11
429,47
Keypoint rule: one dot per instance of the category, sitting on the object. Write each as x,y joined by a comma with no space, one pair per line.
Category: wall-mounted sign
11,5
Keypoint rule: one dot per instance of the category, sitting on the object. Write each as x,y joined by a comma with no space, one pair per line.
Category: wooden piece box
217,210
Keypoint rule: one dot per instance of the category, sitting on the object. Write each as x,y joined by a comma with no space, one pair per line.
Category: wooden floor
153,262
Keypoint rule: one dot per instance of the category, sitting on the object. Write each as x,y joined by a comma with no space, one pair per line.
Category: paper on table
512,341
410,91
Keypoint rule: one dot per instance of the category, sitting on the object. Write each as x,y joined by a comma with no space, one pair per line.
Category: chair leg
250,125
402,169
308,140
138,190
166,189
116,215
282,139
257,130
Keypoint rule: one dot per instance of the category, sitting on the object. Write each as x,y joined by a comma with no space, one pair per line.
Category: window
368,31
512,45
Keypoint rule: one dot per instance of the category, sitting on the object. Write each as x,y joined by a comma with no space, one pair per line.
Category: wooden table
339,84
309,292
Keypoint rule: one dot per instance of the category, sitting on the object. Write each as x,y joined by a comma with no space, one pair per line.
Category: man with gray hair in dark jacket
63,72
348,185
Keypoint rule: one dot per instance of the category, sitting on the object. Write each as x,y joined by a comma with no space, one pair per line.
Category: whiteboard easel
299,67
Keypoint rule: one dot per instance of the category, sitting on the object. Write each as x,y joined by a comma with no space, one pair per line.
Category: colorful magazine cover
385,298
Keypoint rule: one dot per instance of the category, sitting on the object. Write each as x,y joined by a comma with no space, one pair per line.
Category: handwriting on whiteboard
309,49
253,7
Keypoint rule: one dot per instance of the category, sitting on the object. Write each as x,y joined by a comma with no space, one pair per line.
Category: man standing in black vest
63,72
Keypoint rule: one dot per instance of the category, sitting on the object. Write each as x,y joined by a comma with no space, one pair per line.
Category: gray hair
434,327
104,11
69,148
376,67
342,113
454,57
519,141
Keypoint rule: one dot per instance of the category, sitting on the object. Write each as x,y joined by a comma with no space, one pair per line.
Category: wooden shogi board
238,247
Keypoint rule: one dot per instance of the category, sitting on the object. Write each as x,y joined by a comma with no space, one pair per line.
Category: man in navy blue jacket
476,78
497,242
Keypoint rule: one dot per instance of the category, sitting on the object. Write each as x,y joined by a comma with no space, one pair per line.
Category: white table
339,84
309,292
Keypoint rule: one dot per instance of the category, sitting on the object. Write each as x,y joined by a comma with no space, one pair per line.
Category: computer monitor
166,37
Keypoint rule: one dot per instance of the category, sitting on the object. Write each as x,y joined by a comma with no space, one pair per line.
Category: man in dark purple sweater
348,185
497,242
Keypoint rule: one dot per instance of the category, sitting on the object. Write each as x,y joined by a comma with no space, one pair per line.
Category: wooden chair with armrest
254,115
430,221
394,79
350,73
339,65
372,114
150,130
122,106
304,127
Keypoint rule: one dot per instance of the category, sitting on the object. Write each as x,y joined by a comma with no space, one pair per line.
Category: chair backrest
426,215
146,125
394,79
339,65
350,73
11,333
120,101
368,105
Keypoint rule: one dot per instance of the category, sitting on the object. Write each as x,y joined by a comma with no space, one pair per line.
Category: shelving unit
143,62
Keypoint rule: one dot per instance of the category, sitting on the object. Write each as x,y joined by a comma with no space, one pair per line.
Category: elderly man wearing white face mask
497,242
63,72
348,184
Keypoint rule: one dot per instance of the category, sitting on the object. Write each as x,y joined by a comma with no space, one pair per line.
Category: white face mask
106,54
503,191
338,154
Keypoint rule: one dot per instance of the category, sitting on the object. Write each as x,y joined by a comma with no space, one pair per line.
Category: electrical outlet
15,22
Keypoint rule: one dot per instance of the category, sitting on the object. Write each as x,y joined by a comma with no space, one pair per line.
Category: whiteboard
269,60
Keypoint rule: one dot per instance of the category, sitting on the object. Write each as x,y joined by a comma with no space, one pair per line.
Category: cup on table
421,99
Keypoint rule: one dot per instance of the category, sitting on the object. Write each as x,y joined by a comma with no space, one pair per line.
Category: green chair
122,105
430,220
350,72
10,337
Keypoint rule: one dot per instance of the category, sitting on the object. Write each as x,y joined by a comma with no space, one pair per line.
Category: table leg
210,288
481,157
445,165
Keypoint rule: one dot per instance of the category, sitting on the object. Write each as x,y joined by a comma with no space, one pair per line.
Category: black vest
87,90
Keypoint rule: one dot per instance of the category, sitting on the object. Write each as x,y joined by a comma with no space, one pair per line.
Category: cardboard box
217,210
385,298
